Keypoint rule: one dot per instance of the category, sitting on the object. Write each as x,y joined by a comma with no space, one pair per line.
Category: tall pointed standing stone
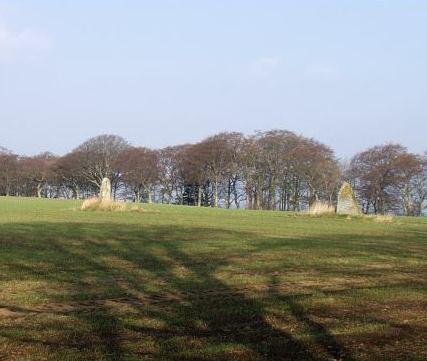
105,193
347,202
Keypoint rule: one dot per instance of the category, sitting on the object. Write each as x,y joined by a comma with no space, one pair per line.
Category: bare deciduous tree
98,157
272,170
8,168
139,168
385,177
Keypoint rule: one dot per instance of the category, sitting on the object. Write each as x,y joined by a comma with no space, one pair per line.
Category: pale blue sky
349,73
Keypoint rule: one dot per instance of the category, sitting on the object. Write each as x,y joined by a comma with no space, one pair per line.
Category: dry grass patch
138,209
320,208
380,218
97,204
387,218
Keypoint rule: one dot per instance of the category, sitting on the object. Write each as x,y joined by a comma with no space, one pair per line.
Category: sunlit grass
182,283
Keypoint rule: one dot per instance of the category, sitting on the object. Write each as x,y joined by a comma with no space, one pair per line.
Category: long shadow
62,261
319,332
200,306
229,316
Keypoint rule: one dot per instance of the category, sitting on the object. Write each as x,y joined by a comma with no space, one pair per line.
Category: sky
351,74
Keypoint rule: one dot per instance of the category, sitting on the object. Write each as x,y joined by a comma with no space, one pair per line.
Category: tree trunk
199,196
229,187
249,196
39,190
137,195
235,194
150,196
258,199
215,186
272,195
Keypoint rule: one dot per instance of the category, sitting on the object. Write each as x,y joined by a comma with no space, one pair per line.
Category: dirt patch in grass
6,312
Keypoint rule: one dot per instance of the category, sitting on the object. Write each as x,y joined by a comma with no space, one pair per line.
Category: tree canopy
274,170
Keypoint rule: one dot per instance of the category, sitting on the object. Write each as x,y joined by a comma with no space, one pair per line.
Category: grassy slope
208,284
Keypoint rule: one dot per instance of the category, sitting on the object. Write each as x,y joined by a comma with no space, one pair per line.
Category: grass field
180,283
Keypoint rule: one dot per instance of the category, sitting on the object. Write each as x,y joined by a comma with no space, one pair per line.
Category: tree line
272,170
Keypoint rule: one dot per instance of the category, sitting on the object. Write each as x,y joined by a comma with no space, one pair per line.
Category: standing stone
347,202
105,193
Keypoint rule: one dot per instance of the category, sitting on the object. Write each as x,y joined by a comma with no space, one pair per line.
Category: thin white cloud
264,65
269,61
321,71
27,44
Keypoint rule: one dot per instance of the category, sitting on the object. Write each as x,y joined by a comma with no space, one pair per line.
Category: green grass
182,283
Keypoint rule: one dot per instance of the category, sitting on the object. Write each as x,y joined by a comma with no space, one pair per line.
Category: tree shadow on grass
149,292
320,333
214,311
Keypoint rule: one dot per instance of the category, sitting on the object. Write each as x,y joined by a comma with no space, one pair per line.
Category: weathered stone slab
347,202
105,193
